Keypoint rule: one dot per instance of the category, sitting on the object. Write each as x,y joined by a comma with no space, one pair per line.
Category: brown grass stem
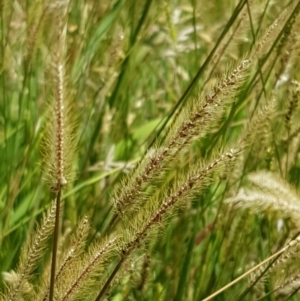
110,279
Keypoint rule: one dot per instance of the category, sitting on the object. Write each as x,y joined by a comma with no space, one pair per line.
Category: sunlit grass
131,67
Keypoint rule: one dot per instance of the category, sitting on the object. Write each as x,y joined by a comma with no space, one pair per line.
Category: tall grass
149,150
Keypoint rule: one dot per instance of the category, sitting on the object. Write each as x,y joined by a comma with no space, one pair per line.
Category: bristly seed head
59,141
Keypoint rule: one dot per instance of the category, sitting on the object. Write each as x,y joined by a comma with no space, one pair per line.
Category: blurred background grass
131,65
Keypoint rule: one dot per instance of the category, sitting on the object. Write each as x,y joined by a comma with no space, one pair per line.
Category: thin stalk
258,278
244,275
55,244
110,279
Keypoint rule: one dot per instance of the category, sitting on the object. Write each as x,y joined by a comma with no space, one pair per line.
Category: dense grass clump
150,150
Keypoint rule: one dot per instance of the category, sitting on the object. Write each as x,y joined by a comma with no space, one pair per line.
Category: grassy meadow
149,150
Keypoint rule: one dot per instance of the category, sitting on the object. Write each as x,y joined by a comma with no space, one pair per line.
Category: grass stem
110,279
244,275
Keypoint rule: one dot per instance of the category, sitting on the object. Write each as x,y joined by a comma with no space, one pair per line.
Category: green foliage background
131,67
